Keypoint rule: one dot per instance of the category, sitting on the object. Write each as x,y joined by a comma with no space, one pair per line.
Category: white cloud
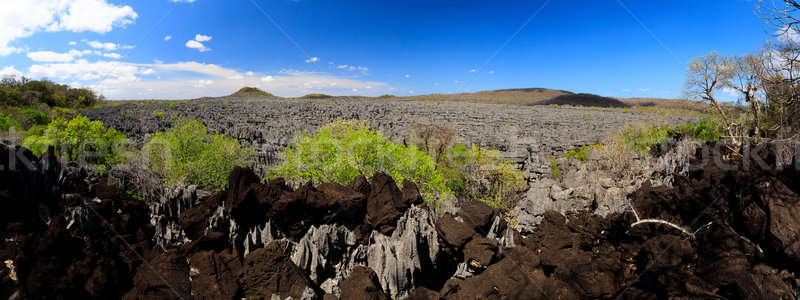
20,19
93,15
203,83
730,91
249,73
197,45
407,76
181,80
72,43
312,59
644,90
112,55
10,71
50,56
352,68
168,37
491,71
473,70
202,38
108,46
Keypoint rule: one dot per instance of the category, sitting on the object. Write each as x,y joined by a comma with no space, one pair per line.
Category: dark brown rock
453,232
362,284
385,203
269,271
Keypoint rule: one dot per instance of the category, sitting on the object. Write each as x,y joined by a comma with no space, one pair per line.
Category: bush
33,117
344,149
484,176
580,153
78,140
188,153
7,122
641,138
555,171
707,130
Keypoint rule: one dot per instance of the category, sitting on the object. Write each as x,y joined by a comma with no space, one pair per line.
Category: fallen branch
690,234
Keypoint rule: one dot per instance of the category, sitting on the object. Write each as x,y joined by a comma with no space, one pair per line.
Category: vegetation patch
80,140
7,122
641,138
581,153
26,93
707,130
188,153
344,149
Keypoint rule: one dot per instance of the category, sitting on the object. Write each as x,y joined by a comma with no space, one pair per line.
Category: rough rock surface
270,124
749,250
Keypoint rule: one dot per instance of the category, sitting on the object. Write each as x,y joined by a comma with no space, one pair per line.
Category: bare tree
746,79
780,77
707,74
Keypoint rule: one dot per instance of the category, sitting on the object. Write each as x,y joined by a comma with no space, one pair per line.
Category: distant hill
316,96
250,92
526,96
585,100
543,96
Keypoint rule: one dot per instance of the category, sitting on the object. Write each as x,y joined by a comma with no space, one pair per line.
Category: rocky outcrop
110,250
601,185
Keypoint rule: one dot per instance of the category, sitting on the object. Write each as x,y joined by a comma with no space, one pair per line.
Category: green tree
188,153
341,150
78,139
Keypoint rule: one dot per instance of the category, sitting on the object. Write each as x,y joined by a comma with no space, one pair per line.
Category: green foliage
580,153
707,130
485,176
134,195
158,113
188,153
26,92
33,117
7,122
78,140
640,139
555,171
533,109
171,105
585,116
625,110
127,114
341,150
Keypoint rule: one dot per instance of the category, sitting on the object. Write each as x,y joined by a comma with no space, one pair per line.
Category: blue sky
186,49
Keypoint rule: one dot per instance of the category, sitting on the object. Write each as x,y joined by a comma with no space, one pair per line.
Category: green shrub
341,150
7,122
188,153
158,113
485,176
640,139
171,105
580,153
555,171
707,130
78,140
33,117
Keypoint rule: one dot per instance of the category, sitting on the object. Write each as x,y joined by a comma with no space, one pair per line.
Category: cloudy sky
178,49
